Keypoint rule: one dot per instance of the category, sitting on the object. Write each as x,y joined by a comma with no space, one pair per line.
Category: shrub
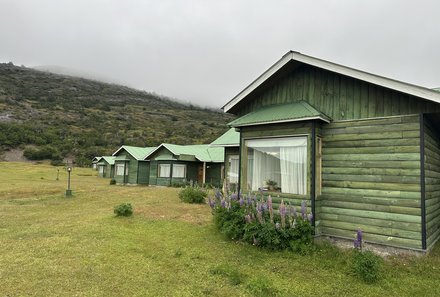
254,221
123,209
193,194
112,181
366,266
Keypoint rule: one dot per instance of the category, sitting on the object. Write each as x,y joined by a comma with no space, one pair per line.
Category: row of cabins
363,150
166,165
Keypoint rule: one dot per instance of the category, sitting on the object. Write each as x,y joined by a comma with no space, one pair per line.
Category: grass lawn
56,246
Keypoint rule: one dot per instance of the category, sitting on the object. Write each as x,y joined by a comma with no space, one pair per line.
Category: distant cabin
131,166
95,161
172,164
106,167
362,149
230,141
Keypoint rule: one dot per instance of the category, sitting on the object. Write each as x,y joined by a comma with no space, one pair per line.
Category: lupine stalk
303,209
283,214
358,240
269,205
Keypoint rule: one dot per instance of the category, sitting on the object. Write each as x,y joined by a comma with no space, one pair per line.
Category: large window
277,164
179,170
164,170
233,169
119,170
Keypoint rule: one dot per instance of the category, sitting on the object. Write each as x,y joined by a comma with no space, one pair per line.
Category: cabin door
200,174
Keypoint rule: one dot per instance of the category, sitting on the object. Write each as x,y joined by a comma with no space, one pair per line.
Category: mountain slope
67,115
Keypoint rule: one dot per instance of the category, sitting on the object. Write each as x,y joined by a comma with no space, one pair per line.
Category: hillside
52,115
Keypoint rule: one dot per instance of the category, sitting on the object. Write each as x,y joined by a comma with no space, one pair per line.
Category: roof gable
138,153
286,61
200,152
229,138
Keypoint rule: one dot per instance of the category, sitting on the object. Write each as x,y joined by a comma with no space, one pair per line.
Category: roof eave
285,121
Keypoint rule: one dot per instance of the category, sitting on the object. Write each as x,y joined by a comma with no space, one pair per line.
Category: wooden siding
279,130
143,172
371,180
432,184
191,173
132,164
119,178
340,97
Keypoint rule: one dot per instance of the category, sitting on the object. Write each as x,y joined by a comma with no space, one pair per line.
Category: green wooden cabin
95,161
130,166
362,149
172,164
230,141
106,167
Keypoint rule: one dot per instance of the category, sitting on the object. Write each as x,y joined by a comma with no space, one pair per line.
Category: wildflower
234,196
310,217
249,200
293,211
303,209
211,203
259,216
218,194
358,239
223,203
283,214
269,205
241,201
277,226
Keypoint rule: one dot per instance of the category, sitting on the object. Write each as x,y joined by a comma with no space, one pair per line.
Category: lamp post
68,191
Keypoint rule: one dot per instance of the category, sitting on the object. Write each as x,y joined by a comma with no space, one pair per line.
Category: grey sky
207,51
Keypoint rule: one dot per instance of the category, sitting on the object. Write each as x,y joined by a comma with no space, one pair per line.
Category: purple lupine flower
293,211
223,203
264,206
218,194
249,200
211,203
310,218
255,198
269,205
303,209
234,196
282,210
241,201
358,240
277,226
259,216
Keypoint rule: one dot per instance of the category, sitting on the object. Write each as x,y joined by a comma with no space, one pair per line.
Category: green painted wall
337,96
108,170
278,130
191,173
230,151
120,179
432,183
153,172
371,180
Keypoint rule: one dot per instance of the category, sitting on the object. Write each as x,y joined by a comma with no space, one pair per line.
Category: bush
112,181
123,209
193,194
256,222
366,266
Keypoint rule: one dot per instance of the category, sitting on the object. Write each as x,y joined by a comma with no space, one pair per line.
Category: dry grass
56,246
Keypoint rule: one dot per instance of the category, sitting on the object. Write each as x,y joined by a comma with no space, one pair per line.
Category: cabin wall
191,173
120,179
432,183
338,96
278,130
371,181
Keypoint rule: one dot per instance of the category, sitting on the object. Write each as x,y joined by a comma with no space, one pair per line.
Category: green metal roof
96,159
139,153
230,138
436,89
202,152
109,159
291,112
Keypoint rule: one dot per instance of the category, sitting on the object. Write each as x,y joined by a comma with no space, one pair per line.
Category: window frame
244,169
184,170
159,170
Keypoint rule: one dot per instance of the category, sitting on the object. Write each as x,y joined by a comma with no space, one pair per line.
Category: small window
179,170
119,169
164,170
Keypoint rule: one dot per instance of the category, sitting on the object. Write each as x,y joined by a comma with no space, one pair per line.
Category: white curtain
265,167
293,169
179,170
164,170
233,169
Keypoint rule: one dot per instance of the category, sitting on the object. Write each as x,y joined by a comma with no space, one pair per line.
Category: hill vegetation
53,116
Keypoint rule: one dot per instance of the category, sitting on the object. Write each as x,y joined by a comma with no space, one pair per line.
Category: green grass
56,246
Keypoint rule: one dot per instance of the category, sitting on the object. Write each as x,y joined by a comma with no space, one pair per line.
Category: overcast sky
206,51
